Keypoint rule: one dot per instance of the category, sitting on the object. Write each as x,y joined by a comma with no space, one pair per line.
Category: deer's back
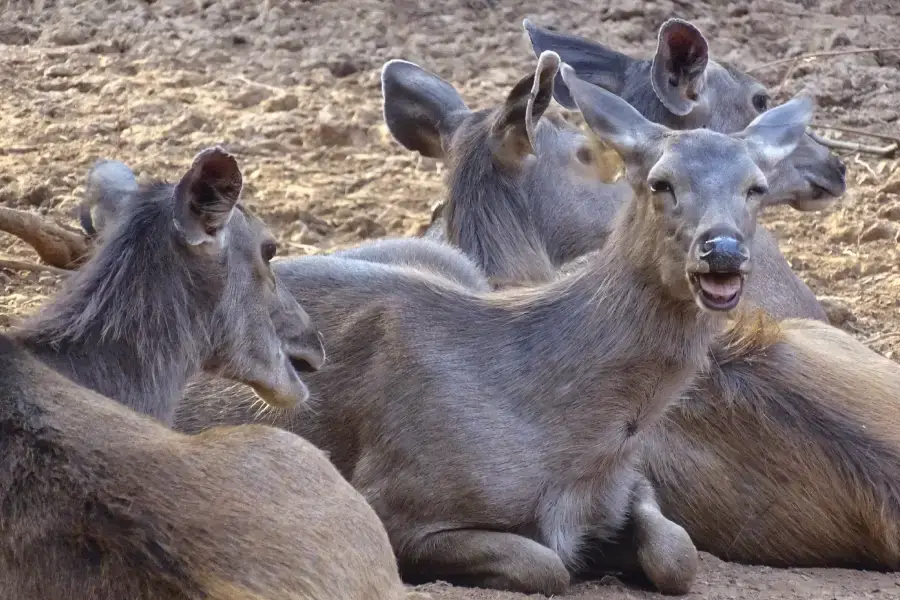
100,502
789,453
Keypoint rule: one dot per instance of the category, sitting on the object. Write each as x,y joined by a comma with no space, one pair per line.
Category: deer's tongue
720,286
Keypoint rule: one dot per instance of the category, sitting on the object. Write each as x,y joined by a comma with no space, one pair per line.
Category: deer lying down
99,501
495,432
693,472
797,462
524,195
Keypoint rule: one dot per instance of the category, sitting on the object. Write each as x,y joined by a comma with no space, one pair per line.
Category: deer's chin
717,292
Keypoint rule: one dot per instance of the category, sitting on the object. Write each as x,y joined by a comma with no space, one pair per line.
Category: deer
101,499
564,206
496,432
786,422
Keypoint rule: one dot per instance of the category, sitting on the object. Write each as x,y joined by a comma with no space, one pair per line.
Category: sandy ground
293,89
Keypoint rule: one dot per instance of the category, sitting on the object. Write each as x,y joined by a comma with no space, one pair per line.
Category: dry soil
293,88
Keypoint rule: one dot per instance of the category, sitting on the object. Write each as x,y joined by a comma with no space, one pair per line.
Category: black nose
723,252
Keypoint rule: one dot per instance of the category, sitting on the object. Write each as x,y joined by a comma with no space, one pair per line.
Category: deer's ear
773,136
678,72
513,131
593,62
206,195
421,110
613,119
109,186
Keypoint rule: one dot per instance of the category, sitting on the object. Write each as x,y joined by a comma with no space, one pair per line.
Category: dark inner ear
682,56
688,53
219,181
206,194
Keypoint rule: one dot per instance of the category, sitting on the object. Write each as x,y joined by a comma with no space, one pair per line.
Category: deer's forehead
704,160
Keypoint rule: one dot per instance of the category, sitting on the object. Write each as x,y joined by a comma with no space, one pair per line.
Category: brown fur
104,503
788,454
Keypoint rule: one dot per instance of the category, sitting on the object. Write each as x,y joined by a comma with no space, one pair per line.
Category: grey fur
495,432
147,312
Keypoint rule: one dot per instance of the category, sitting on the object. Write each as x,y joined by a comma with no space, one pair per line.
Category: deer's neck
487,215
119,369
613,329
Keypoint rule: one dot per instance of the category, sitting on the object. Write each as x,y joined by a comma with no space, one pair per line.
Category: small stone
891,213
59,71
68,35
838,39
37,195
845,235
837,310
251,97
17,35
892,186
879,230
281,103
344,67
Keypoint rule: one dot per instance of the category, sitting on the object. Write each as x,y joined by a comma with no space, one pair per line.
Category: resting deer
524,196
494,433
100,501
785,420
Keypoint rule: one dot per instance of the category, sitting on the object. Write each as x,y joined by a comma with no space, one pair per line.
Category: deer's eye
268,251
584,155
660,186
761,102
758,190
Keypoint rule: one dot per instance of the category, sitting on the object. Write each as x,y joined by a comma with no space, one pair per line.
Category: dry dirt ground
293,88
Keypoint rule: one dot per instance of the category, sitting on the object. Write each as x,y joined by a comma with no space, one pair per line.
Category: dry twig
815,55
882,337
19,265
883,151
880,136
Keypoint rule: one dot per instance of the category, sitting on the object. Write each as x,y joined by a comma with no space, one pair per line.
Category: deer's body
769,459
788,453
496,433
103,502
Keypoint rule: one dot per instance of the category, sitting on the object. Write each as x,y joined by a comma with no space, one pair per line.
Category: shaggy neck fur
614,318
131,324
488,215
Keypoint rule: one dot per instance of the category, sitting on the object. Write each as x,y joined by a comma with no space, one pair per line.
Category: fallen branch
880,136
883,151
57,246
815,55
19,265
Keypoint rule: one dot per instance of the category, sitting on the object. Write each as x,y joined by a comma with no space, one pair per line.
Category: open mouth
718,291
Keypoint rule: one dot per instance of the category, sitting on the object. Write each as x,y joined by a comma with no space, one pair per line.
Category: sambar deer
785,422
100,501
495,432
525,191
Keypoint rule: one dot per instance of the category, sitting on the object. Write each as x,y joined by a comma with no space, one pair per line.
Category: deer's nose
724,252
